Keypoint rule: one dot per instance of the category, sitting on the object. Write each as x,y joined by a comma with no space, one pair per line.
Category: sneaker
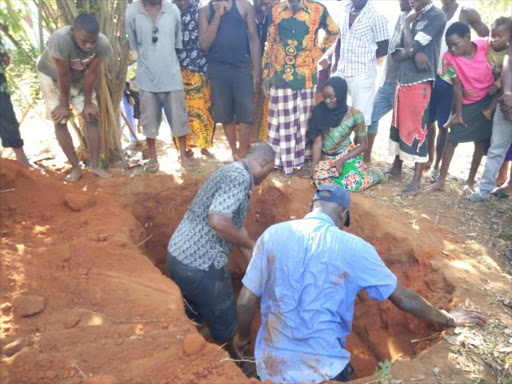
476,197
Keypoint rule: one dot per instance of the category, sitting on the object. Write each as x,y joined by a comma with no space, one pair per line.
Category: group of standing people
234,65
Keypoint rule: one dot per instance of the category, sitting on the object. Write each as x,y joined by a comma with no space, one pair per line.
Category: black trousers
9,127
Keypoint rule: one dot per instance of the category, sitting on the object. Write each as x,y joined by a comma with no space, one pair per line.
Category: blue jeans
382,105
500,142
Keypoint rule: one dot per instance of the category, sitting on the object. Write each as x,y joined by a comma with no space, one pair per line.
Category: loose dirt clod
29,305
193,344
78,201
14,347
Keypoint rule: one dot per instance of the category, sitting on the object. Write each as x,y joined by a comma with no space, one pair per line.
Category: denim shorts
440,106
208,295
382,105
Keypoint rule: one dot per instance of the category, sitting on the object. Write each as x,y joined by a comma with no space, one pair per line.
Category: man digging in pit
308,273
198,252
68,69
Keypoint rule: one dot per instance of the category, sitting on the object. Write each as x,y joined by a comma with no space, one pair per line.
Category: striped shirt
358,47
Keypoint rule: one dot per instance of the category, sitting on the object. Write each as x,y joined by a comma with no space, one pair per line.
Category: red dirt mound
80,302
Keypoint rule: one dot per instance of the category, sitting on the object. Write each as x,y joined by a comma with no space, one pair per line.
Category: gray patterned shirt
195,243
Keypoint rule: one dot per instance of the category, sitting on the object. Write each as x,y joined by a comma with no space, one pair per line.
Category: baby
501,35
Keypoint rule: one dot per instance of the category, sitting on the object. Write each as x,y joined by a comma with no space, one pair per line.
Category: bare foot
74,175
207,153
189,153
101,173
438,186
187,162
467,190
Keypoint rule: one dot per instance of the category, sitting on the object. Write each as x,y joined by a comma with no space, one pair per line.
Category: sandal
152,167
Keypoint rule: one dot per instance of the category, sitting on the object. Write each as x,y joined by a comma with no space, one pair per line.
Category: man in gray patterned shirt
197,255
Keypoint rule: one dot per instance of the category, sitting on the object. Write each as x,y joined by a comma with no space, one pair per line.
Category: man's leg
175,110
66,143
445,165
500,142
442,138
92,129
382,105
151,117
9,126
243,98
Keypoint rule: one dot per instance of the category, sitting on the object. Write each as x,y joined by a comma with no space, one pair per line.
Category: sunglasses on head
154,38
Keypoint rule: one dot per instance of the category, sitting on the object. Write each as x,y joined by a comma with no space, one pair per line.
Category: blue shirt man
308,273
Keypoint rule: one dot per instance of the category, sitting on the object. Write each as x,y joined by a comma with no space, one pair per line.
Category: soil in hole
380,331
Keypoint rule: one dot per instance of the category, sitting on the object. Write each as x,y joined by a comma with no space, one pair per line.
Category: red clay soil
81,303
83,298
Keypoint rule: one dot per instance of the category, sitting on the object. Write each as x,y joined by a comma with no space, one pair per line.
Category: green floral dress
336,143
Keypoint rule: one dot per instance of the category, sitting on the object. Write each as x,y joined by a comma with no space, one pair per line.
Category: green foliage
491,10
384,372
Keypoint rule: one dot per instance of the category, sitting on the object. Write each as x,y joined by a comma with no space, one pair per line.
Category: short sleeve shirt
475,74
62,45
226,191
337,139
158,68
427,32
359,41
308,274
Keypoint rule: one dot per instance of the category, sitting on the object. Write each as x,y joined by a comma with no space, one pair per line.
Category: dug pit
380,330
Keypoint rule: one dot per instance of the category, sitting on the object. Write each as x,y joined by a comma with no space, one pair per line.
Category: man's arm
90,78
208,32
411,302
224,227
64,82
331,31
267,54
473,18
246,308
130,31
254,43
382,48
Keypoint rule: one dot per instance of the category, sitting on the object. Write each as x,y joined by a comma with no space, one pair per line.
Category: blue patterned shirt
195,243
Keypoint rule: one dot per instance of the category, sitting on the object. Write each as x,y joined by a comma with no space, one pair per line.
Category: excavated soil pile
84,302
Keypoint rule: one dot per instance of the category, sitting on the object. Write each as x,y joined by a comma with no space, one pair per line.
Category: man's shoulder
233,170
435,14
61,34
171,7
314,4
133,8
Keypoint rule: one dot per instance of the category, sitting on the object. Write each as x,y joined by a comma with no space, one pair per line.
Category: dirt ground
84,299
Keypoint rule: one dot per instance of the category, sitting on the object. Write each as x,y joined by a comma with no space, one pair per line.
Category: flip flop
409,191
500,195
434,175
152,167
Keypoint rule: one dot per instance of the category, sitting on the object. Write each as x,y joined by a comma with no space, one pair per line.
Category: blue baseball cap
333,193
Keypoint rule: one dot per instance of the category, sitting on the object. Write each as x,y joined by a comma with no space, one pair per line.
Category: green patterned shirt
338,138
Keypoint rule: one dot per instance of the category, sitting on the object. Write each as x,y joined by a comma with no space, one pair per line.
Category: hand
240,346
422,62
256,78
90,112
131,100
339,165
220,7
455,119
61,112
414,16
461,317
324,63
265,85
6,60
506,102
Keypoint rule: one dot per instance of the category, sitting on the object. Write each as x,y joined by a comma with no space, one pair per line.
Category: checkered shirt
195,243
359,42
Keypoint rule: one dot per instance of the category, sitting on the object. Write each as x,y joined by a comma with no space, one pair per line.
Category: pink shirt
475,74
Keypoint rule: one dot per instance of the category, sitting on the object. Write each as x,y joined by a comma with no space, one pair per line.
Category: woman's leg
449,151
